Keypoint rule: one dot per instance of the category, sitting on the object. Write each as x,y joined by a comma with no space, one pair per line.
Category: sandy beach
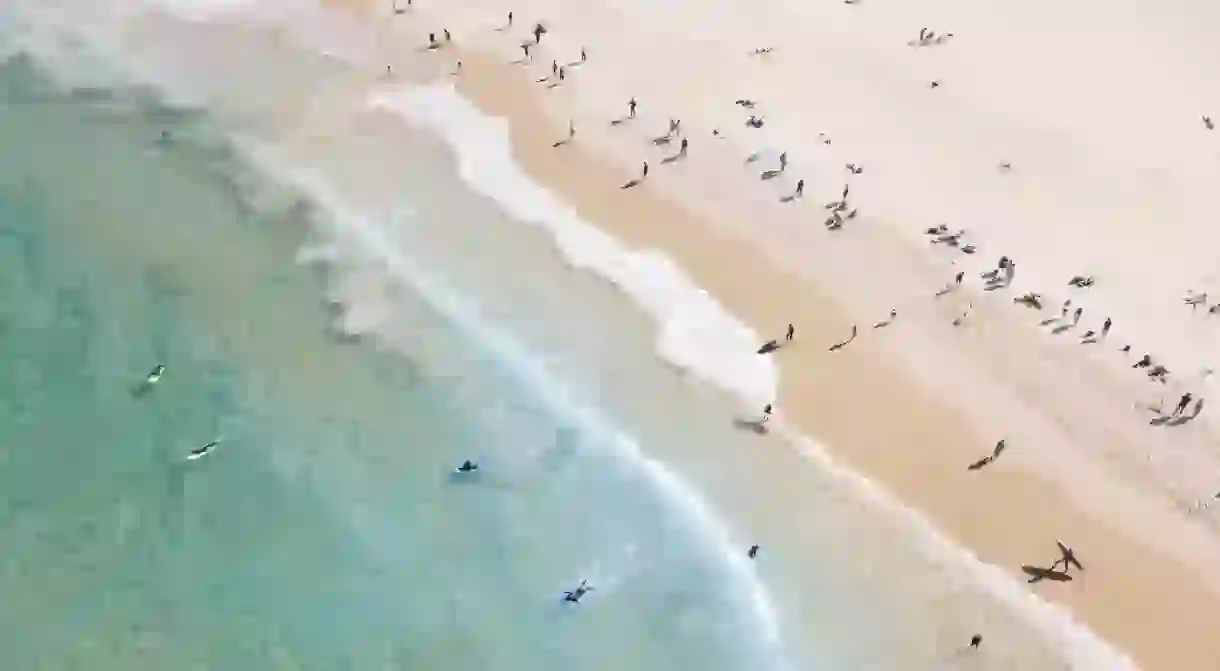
1005,148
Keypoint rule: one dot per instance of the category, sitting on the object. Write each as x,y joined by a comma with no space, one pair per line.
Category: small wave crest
695,332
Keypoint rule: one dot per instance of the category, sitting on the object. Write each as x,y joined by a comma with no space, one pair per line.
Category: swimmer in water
201,452
575,595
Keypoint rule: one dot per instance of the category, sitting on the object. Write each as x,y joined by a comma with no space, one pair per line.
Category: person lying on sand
1081,281
762,50
748,104
768,347
838,346
887,321
1029,300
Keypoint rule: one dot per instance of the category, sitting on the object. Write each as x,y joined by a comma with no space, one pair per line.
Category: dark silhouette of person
791,332
753,552
976,641
1105,327
631,108
1182,403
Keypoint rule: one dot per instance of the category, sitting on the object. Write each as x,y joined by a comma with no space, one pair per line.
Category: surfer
575,595
155,376
467,466
201,452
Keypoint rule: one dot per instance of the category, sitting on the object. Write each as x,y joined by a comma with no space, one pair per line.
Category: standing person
958,280
1076,316
538,31
583,55
682,150
976,641
1105,327
525,46
554,67
753,551
791,332
631,108
645,175
783,161
510,19
800,188
448,37
1182,403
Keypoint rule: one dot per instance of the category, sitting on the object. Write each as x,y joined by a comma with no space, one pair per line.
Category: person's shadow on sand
633,183
1060,329
770,174
753,425
670,159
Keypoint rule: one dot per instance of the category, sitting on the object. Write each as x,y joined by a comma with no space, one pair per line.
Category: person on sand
631,108
800,188
783,161
571,129
888,321
525,46
645,175
846,190
539,31
510,19
682,148
1105,327
432,43
999,449
457,68
1076,316
561,73
448,37
1207,123
962,317
791,332
766,413
958,279
1182,404
753,551
838,346
976,641
674,127
554,68
583,55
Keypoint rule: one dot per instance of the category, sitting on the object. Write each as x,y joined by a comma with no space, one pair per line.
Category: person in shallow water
575,595
467,466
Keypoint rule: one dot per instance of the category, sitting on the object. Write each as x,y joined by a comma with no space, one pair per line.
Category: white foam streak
373,239
695,332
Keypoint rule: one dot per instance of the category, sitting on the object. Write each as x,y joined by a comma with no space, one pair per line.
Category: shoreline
1133,584
1105,599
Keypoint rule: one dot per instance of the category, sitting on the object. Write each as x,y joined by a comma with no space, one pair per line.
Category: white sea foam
373,239
695,332
698,334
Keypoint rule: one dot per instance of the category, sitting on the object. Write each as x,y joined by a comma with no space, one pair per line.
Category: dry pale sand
912,404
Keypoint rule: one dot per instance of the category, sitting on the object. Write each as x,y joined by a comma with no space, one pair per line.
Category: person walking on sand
645,175
791,332
538,32
958,280
800,188
673,127
554,68
1076,316
448,37
583,55
783,161
976,641
525,46
631,108
1105,327
682,149
561,73
1182,404
510,19
886,322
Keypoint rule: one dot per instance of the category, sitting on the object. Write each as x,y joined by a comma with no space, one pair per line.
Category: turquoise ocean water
326,532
